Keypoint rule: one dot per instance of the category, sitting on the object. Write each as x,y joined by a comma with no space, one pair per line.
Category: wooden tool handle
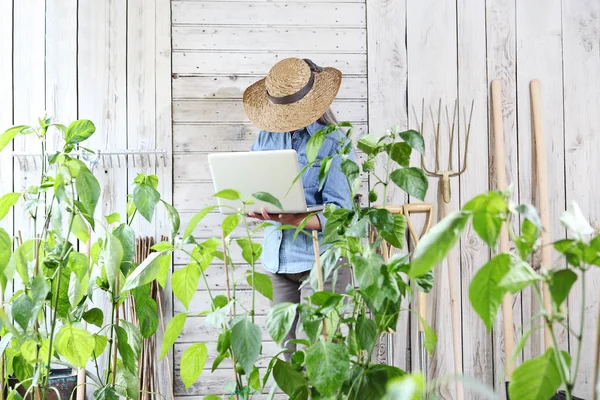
542,178
453,280
500,160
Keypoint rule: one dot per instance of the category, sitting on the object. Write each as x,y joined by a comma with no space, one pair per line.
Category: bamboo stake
315,236
542,176
499,159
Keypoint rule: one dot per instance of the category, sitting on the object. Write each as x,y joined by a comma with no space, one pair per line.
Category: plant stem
581,327
252,264
596,381
111,340
116,326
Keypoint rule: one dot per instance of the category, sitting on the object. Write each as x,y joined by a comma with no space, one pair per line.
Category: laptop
270,171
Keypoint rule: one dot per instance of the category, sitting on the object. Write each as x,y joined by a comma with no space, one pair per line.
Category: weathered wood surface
472,86
432,46
581,64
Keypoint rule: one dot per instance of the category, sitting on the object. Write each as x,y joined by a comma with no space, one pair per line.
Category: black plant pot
60,379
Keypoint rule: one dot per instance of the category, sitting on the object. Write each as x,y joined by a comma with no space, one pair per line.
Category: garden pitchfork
444,184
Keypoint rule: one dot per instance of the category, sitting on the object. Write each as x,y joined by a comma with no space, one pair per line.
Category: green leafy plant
542,376
42,324
335,361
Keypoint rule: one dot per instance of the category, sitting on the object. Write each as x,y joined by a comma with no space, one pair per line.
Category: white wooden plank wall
216,55
433,49
108,61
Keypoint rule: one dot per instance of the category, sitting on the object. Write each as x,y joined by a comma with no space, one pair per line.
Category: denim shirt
280,253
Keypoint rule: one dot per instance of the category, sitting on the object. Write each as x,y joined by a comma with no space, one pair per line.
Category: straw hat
294,94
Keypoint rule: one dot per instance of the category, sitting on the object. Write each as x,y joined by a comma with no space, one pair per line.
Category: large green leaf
20,260
396,235
408,387
94,316
268,198
5,251
144,273
560,285
287,378
230,222
412,180
430,336
7,136
75,345
146,311
125,350
77,289
88,190
126,383
400,152
327,365
326,164
196,219
367,269
414,139
185,283
100,345
518,277
106,393
165,267
134,337
228,194
436,244
126,236
369,144
261,283
80,228
489,211
6,202
113,256
366,330
194,359
174,328
536,379
22,310
382,219
79,130
145,198
174,218
246,343
485,293
280,319
314,144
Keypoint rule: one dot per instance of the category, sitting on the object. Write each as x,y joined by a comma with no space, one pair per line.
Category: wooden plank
387,83
296,39
102,76
201,302
431,43
29,86
258,13
61,65
233,86
501,55
141,95
269,350
539,55
259,63
232,111
223,137
581,45
209,383
196,329
6,104
164,140
478,353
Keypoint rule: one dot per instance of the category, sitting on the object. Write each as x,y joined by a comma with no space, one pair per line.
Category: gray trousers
286,288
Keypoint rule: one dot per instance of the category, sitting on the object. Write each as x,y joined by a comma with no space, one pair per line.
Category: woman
289,106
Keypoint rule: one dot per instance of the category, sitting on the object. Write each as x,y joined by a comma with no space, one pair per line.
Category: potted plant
43,323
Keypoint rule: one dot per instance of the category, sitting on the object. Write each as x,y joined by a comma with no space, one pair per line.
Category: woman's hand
287,219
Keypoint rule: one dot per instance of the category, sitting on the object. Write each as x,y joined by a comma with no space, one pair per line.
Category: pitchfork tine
421,124
464,166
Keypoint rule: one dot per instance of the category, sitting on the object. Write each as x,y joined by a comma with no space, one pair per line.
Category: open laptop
271,171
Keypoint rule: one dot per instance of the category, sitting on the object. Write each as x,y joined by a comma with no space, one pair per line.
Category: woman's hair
328,118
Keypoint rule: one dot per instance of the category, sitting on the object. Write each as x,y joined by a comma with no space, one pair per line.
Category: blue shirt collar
314,127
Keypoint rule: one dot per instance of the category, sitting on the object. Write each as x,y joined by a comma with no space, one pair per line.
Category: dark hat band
300,94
